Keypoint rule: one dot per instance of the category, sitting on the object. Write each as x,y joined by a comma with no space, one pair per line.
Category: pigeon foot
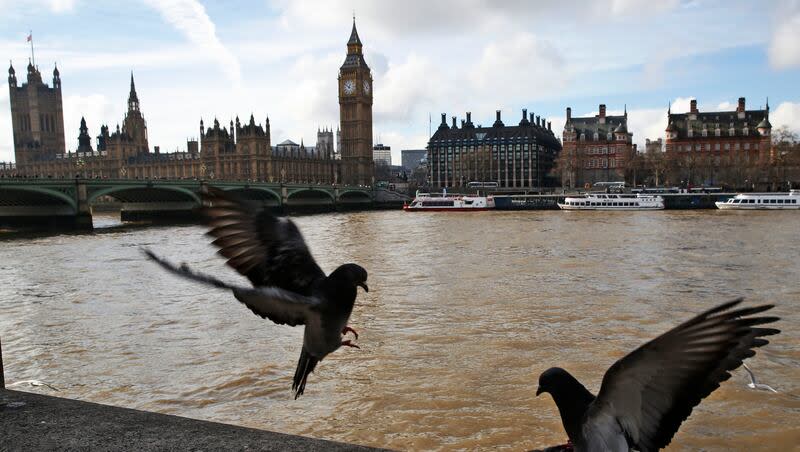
347,329
347,343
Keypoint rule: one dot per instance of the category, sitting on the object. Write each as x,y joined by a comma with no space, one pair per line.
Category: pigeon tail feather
305,366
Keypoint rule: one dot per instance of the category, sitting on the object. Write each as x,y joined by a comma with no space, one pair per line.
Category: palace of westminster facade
241,151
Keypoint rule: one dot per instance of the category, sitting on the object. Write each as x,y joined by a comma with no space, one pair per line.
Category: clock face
349,86
366,86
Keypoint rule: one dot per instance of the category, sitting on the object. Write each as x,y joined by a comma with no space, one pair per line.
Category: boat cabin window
437,203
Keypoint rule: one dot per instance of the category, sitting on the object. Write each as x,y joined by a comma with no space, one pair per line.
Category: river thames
464,312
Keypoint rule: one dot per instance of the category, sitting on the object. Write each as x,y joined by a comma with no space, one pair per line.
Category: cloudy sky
197,59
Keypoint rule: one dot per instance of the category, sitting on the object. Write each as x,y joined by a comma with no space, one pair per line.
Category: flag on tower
30,37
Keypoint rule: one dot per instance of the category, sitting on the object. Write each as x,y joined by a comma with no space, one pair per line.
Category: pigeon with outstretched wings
646,395
288,286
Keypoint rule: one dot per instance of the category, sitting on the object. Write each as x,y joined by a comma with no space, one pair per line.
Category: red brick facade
595,149
719,148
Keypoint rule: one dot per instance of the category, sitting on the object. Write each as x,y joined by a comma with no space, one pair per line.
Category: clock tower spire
355,114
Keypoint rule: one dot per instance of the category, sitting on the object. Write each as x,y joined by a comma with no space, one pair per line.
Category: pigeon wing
652,390
268,250
281,306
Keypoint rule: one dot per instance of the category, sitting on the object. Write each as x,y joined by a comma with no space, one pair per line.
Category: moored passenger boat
449,203
762,201
613,201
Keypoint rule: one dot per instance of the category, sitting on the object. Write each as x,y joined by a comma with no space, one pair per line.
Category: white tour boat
613,201
425,202
762,201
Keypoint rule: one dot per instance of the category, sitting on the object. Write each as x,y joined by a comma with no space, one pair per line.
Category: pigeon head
555,380
571,397
351,274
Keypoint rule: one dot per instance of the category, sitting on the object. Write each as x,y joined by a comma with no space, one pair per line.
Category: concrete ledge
38,422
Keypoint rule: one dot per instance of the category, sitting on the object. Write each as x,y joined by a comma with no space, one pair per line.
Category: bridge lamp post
80,164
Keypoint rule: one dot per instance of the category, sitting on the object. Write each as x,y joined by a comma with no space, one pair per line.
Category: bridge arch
61,196
354,196
119,190
310,196
273,195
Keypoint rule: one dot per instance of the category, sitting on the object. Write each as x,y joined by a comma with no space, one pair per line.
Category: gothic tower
84,140
36,116
134,125
355,114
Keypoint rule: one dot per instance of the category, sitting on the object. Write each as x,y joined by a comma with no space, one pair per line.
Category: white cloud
443,16
406,88
60,6
97,109
54,6
680,105
628,7
726,106
784,48
787,114
521,67
190,18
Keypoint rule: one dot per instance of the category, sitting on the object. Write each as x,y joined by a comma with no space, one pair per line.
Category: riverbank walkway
38,422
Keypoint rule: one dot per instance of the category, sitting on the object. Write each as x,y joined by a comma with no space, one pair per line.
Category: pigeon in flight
288,286
646,395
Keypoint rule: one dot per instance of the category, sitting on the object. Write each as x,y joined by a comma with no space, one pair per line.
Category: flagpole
30,38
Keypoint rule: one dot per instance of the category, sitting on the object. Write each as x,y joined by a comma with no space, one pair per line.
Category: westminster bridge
69,202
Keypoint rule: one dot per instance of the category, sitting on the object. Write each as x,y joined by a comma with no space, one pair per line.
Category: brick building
596,149
37,116
719,147
519,156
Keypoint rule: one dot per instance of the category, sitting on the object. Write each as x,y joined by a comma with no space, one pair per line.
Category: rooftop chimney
498,122
602,110
549,126
444,119
532,118
569,114
469,117
524,114
693,106
740,108
454,123
538,120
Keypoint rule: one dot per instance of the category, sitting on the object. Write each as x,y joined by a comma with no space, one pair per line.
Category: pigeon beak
364,286
539,391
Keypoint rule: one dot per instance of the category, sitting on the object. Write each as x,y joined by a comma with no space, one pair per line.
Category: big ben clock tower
355,115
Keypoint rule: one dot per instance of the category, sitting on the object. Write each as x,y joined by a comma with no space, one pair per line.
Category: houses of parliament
240,151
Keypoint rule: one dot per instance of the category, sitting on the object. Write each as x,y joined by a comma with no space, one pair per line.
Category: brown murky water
464,312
